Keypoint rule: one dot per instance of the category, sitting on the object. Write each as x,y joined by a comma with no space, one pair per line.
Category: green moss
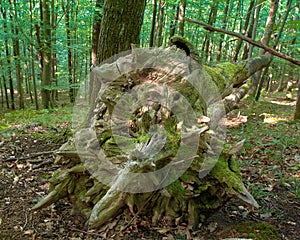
223,173
217,76
176,188
203,187
258,231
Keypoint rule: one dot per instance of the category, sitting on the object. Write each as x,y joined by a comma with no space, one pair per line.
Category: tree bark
32,64
153,25
174,21
181,16
224,26
8,57
47,47
96,31
17,55
244,30
161,23
120,28
208,39
265,40
297,109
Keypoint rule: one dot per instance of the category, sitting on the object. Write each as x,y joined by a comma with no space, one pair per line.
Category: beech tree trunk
96,31
120,28
153,25
297,110
47,47
181,16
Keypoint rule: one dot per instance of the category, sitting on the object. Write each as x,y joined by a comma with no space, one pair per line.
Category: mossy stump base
195,194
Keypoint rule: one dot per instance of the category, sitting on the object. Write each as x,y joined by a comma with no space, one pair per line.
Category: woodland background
48,47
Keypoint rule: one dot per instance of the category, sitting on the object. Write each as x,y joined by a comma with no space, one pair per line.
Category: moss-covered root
60,191
107,208
62,184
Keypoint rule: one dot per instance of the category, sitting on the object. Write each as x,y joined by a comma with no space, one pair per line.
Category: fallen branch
247,39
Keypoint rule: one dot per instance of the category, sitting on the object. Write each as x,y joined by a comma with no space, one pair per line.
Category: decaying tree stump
154,142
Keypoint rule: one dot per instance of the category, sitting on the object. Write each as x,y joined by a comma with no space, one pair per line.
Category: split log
155,141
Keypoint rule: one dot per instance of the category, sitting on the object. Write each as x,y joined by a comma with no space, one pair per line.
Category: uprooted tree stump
154,141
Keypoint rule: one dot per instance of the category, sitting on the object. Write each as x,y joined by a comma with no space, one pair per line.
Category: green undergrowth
38,123
46,117
272,144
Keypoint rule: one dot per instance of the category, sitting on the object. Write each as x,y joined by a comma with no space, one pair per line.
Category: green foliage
45,117
272,140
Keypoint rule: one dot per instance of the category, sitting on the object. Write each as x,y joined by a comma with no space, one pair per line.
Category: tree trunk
297,109
182,7
67,11
46,73
161,23
224,26
120,28
273,10
54,92
244,30
17,55
8,57
153,25
5,92
208,42
174,21
32,64
254,28
96,31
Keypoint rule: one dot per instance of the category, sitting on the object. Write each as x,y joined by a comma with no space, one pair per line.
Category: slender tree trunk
161,23
208,39
75,43
249,35
254,28
244,30
27,73
297,110
8,57
5,92
96,31
152,34
46,75
174,22
54,92
95,41
67,11
224,26
17,55
182,7
272,14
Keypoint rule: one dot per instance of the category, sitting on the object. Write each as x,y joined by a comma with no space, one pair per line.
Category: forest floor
270,163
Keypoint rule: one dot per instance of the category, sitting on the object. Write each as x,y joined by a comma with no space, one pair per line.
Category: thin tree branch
247,39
